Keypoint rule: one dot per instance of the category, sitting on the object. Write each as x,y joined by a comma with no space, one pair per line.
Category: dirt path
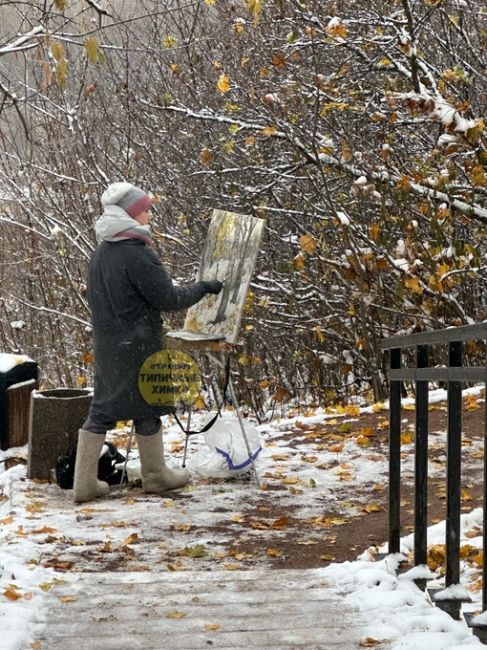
351,531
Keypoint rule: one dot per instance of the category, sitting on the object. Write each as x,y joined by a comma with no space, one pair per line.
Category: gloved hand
213,286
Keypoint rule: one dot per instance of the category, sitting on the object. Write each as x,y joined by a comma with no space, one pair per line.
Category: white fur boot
86,484
157,478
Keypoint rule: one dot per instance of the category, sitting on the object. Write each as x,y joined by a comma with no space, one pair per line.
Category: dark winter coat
127,289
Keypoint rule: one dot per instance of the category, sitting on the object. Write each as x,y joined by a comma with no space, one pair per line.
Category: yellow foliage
413,283
404,183
249,360
298,262
337,30
319,334
61,73
308,243
478,176
223,84
169,41
239,26
255,8
374,231
206,157
57,50
474,134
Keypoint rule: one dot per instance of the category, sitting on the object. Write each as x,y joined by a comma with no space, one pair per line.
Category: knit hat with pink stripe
128,197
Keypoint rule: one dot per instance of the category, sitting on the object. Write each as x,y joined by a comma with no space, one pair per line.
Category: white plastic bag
225,452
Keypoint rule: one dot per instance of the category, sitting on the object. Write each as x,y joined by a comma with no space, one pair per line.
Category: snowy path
245,609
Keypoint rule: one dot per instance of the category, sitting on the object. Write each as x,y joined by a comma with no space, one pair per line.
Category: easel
211,326
216,349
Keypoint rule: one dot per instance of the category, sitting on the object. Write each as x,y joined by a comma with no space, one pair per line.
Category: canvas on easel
229,255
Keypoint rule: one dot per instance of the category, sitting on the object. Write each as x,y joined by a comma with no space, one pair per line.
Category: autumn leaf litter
311,464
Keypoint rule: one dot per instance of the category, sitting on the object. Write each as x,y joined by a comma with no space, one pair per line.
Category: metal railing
454,375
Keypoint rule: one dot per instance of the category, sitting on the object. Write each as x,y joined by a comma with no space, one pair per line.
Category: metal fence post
421,463
484,567
454,446
395,456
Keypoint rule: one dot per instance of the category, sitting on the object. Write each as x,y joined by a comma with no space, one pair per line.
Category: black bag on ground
106,466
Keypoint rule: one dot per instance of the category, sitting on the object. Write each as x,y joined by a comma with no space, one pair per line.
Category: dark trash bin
55,417
18,377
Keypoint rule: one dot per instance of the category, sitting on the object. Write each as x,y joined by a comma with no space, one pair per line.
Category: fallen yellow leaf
363,441
218,555
478,558
280,523
373,507
11,593
243,555
336,449
44,530
7,520
131,539
436,556
269,131
369,432
35,506
465,495
368,642
354,411
175,614
294,490
273,552
212,627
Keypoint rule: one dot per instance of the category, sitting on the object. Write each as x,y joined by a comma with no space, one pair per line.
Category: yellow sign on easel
169,378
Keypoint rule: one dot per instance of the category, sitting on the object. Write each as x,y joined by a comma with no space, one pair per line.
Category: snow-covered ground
307,460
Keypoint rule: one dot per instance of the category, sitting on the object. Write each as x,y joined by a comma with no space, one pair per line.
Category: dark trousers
143,426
